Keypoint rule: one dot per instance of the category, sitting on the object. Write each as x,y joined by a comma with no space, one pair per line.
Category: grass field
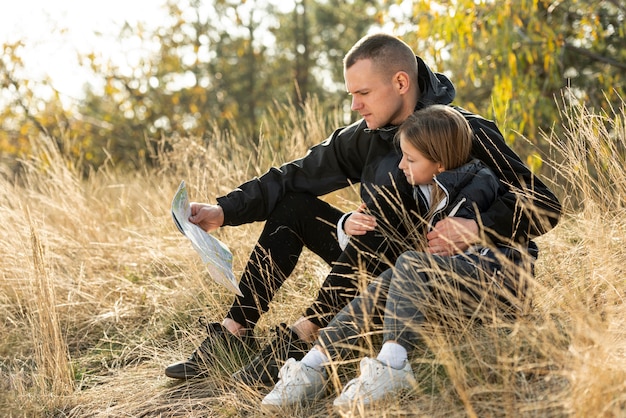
99,291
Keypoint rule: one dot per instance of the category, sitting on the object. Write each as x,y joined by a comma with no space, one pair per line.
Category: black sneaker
219,343
263,369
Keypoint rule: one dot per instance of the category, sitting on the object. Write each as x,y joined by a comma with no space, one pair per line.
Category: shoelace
294,369
371,368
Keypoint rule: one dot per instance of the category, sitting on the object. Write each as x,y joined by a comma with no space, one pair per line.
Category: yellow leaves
534,162
379,17
425,4
109,88
423,26
513,64
548,60
501,95
7,147
549,53
470,71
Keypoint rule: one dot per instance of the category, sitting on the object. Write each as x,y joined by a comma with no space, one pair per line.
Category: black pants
302,220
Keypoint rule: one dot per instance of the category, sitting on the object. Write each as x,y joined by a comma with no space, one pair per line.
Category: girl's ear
440,168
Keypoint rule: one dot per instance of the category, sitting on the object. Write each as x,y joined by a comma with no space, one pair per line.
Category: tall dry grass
99,291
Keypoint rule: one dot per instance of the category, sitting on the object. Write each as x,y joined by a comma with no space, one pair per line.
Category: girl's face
416,167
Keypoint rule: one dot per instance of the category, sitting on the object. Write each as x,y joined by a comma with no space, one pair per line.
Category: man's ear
402,81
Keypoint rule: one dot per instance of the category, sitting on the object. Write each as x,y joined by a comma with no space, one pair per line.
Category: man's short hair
388,54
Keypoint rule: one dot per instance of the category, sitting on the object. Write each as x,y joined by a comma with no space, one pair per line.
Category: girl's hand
359,223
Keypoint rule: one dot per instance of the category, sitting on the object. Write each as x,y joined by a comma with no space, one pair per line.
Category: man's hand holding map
214,253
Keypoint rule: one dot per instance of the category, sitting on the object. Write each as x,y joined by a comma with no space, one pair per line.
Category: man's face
374,95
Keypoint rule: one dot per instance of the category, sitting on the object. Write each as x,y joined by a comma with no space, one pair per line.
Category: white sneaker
377,381
297,382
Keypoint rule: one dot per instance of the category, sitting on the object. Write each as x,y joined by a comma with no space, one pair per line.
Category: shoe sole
186,377
356,404
275,409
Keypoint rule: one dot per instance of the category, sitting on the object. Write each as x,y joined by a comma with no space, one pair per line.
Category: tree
316,36
221,66
28,109
512,59
201,77
215,65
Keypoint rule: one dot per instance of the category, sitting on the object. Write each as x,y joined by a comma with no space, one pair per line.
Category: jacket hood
435,88
472,183
452,181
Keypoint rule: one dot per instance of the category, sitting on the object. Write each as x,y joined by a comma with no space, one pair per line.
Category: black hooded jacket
468,190
356,154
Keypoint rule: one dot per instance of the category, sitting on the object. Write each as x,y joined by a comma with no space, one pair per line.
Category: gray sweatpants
419,287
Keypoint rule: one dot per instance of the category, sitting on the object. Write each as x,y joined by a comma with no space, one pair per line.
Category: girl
435,144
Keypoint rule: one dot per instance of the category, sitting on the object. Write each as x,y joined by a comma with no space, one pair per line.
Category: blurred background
115,76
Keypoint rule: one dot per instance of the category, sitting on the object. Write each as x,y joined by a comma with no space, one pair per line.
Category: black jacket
469,191
356,154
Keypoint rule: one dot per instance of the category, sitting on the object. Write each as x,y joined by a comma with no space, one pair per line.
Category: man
387,83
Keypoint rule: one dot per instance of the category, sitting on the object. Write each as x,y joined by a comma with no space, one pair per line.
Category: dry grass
99,291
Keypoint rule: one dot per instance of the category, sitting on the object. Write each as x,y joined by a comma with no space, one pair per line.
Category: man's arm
528,208
459,230
328,166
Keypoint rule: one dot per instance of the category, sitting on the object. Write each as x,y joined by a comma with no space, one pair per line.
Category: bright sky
55,31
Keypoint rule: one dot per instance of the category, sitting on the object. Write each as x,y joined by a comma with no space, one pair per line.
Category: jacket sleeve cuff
342,237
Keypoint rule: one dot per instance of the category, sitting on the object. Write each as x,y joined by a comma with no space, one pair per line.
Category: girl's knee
412,261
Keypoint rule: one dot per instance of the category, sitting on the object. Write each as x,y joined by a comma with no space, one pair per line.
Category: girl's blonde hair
442,135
